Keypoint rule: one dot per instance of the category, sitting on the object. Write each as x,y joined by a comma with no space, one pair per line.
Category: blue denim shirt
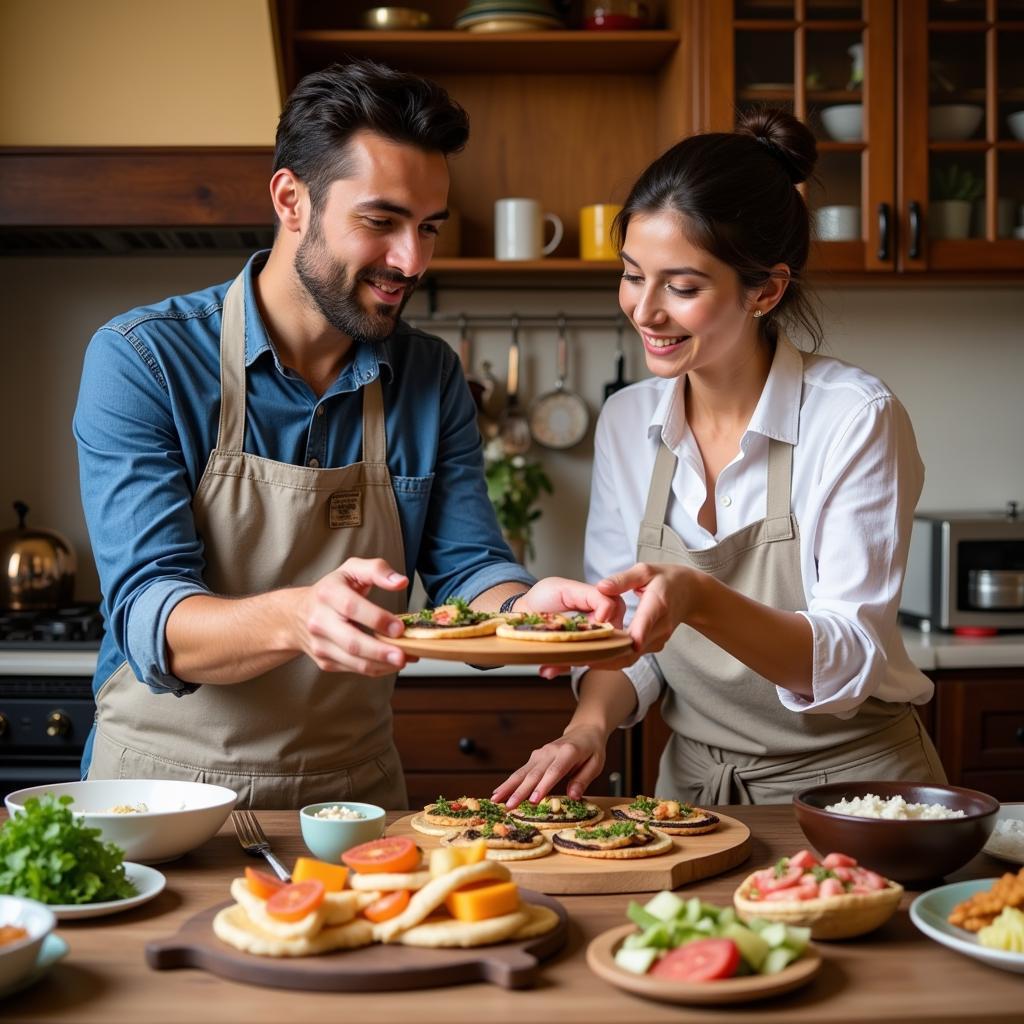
146,422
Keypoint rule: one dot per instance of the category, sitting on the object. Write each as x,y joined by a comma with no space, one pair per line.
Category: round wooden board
376,968
496,650
691,858
600,959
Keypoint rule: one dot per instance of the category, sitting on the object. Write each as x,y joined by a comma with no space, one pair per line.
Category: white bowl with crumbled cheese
1007,839
894,808
339,812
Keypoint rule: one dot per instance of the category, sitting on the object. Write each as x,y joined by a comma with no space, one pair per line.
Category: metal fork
254,841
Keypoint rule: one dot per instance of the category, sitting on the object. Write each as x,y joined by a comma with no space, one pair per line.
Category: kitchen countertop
895,974
928,651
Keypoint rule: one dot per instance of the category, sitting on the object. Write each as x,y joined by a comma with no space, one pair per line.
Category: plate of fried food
455,632
982,918
388,919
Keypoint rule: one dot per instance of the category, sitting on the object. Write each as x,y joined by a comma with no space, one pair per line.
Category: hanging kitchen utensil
620,365
38,567
514,432
475,384
559,418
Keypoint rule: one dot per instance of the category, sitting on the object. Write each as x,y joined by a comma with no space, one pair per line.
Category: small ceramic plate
1006,812
930,910
52,949
148,881
600,959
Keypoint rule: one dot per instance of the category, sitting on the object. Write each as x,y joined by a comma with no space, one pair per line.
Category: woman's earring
758,312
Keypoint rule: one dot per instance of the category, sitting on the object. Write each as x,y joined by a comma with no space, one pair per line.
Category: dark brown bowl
905,851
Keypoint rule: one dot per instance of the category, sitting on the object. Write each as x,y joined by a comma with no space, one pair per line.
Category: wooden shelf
554,52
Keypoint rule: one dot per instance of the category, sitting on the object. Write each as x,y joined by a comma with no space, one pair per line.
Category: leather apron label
345,508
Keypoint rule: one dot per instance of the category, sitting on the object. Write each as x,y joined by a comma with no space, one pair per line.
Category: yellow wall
137,73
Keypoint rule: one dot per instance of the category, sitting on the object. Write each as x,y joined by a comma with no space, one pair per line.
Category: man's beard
336,295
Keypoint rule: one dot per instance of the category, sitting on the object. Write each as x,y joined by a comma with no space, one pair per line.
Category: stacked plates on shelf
508,16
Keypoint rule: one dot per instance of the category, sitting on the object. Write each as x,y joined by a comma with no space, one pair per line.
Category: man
265,464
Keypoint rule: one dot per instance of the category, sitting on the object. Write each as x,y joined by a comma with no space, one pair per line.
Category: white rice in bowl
1007,839
895,809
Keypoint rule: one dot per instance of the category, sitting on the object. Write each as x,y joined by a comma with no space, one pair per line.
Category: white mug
837,223
519,230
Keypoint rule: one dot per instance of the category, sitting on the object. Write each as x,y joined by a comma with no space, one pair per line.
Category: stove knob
57,724
4,724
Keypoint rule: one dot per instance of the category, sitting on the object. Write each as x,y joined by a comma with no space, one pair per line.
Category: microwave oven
965,572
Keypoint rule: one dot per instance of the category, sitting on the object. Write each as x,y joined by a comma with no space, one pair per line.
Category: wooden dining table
894,974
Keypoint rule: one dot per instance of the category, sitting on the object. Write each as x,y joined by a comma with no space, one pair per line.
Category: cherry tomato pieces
293,902
261,884
700,960
399,853
387,906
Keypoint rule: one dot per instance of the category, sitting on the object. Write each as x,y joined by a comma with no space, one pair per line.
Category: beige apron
733,741
294,735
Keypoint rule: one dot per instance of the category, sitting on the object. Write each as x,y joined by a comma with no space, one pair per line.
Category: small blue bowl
328,838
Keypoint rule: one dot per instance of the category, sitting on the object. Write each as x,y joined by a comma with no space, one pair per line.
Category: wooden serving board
376,968
691,858
496,650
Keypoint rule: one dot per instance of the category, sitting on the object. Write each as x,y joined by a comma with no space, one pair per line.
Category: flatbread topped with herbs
553,627
454,620
506,839
445,817
556,811
618,840
669,816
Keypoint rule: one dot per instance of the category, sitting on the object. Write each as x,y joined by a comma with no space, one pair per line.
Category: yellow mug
596,232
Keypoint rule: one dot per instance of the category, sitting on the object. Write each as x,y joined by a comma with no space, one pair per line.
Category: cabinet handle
1020,734
883,231
915,230
467,745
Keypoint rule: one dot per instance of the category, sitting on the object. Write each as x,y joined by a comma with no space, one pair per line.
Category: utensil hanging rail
516,320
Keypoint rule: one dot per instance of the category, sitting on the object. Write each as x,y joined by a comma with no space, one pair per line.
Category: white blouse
857,476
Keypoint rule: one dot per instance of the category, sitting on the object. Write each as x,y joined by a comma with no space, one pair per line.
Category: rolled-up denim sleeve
463,552
137,499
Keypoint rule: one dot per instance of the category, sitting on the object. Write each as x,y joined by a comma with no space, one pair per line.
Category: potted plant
954,190
514,485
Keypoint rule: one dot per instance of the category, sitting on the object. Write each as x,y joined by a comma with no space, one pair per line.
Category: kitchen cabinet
464,735
906,71
976,720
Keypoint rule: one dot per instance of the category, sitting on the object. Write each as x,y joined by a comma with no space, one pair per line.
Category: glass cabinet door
961,174
831,63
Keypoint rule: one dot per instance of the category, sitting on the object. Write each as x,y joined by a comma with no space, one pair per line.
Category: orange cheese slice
481,900
333,876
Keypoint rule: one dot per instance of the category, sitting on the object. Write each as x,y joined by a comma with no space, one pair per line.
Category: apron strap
778,519
231,430
375,439
656,512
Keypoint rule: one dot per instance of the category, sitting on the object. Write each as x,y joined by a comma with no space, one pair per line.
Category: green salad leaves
48,854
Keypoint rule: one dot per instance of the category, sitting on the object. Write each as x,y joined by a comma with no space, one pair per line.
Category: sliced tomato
805,860
700,960
838,860
293,902
790,877
387,906
261,884
832,887
399,853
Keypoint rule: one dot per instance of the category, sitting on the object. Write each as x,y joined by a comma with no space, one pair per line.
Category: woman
765,493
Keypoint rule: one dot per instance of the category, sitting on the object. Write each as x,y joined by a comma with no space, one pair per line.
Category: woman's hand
667,598
577,755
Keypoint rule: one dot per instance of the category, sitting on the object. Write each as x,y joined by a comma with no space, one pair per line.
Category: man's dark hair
328,107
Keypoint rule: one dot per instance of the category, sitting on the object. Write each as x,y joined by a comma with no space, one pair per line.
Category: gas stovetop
77,628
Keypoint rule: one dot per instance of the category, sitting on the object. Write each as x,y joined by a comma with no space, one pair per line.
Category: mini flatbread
558,819
594,631
234,927
430,818
503,850
449,932
451,632
388,881
434,893
540,921
566,842
697,823
421,824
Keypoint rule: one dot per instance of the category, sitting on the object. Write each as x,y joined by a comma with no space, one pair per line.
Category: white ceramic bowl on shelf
179,816
18,958
1016,123
845,122
953,122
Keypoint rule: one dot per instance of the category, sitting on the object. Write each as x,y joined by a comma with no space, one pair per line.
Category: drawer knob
467,745
1020,734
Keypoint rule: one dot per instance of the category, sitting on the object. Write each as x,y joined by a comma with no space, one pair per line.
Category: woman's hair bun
788,140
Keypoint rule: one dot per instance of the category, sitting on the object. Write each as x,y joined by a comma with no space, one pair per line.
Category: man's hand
556,594
578,756
334,613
